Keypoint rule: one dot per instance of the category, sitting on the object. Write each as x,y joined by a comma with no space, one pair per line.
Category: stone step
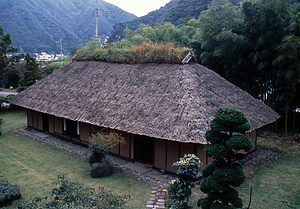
157,198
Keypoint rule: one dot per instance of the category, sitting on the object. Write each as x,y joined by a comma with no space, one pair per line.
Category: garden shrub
8,192
226,137
97,153
101,143
181,189
70,194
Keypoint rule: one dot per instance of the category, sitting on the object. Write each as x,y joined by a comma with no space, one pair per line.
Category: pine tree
226,137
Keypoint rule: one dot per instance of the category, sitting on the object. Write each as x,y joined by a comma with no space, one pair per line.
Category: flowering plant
188,171
188,166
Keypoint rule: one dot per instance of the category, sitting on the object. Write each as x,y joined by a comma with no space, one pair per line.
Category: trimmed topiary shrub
226,137
8,193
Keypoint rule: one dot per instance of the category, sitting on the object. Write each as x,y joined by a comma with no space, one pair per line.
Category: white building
44,57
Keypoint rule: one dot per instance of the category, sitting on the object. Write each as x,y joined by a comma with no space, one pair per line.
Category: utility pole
59,44
96,15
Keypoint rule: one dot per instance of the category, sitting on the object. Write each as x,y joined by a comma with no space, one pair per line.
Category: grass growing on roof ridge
34,166
146,52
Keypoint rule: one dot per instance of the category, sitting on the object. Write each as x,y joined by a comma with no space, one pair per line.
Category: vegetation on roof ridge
146,52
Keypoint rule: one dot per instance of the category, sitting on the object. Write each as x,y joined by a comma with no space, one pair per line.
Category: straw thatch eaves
167,101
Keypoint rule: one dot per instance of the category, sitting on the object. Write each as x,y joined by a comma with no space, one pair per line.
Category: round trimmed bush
231,176
215,137
240,142
208,170
204,203
221,206
216,151
238,203
229,196
230,119
204,187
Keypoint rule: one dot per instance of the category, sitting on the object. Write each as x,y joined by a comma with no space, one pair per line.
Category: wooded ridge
35,25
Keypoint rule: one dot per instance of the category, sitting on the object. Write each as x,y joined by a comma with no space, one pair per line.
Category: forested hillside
176,11
35,25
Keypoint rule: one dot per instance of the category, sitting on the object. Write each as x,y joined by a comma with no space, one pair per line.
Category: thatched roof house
169,102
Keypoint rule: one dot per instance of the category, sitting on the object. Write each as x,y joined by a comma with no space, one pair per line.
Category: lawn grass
275,185
34,165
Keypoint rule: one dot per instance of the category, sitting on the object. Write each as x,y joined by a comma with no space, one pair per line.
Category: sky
138,7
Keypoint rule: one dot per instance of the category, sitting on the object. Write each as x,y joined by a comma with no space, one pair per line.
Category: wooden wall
58,126
51,123
29,118
85,133
165,152
160,154
35,119
125,148
172,155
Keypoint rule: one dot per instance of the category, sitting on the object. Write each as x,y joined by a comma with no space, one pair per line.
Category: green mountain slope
173,12
35,25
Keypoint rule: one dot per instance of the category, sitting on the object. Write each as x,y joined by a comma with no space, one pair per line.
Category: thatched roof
169,101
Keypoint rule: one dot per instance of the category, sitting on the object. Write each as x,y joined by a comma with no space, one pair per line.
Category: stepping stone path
157,198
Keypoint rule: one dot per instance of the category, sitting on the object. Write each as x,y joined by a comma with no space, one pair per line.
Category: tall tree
5,47
220,44
265,24
31,72
295,19
12,71
240,43
287,81
11,77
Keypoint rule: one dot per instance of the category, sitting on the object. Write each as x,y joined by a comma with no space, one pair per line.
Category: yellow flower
172,182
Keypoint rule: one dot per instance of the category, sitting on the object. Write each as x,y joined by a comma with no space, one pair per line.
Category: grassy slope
34,166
